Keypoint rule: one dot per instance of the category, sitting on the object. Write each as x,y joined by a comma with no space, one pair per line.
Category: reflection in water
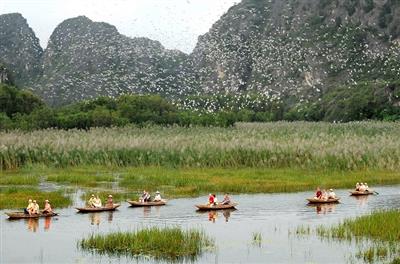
213,215
110,216
324,208
361,199
146,211
94,218
47,222
33,224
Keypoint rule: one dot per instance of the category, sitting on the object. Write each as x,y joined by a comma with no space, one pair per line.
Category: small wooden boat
140,204
96,209
320,201
358,193
20,215
206,207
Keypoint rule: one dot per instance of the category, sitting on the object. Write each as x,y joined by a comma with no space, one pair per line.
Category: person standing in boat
29,207
157,198
227,199
110,202
47,207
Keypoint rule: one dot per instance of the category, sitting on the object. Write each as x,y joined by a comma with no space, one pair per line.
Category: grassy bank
17,198
321,146
381,227
181,182
160,243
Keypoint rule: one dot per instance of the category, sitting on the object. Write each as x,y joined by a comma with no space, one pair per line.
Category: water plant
12,198
167,243
257,239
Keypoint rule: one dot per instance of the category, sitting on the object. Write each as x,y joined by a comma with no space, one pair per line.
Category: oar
376,192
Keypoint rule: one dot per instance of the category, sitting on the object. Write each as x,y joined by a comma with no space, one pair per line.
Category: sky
175,23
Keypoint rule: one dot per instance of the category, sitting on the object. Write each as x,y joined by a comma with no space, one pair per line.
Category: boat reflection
361,199
33,224
94,218
213,215
47,223
324,208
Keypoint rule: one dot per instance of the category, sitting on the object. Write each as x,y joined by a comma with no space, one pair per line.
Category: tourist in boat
47,207
35,208
211,199
357,186
227,199
145,197
215,199
110,202
157,198
366,187
362,187
91,201
331,194
29,207
324,195
318,193
97,202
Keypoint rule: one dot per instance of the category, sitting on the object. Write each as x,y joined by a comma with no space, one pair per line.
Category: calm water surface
275,216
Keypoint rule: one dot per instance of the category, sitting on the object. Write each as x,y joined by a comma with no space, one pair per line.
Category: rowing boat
143,204
215,207
96,209
358,193
316,200
20,215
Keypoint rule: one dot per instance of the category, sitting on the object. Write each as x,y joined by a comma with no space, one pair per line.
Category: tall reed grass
275,145
169,243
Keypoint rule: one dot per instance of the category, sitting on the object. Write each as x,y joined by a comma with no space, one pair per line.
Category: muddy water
274,216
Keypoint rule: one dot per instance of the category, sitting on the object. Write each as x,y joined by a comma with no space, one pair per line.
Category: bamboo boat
20,215
144,204
358,193
320,201
96,209
206,207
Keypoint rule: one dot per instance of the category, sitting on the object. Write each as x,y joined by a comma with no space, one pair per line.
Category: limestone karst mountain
293,50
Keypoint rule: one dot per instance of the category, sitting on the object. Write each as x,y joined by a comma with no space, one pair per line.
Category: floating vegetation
13,198
257,239
168,243
382,228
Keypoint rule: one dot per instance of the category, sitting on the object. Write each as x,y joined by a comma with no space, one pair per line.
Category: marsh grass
168,243
184,182
257,239
17,198
321,146
381,227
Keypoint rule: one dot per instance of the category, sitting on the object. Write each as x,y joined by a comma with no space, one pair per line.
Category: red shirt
318,194
211,199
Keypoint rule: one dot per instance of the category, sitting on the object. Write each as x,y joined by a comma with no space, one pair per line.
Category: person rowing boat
227,199
47,208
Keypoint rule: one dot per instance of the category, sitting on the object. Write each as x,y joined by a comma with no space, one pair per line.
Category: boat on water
144,204
207,207
321,201
96,209
358,193
20,215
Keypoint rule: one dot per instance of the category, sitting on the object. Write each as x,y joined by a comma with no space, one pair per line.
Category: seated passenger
318,193
47,207
324,195
366,187
145,197
35,208
357,186
215,199
110,202
91,201
97,202
362,187
227,199
210,199
157,198
331,194
29,207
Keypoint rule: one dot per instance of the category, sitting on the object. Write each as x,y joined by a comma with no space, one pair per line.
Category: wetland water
275,216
